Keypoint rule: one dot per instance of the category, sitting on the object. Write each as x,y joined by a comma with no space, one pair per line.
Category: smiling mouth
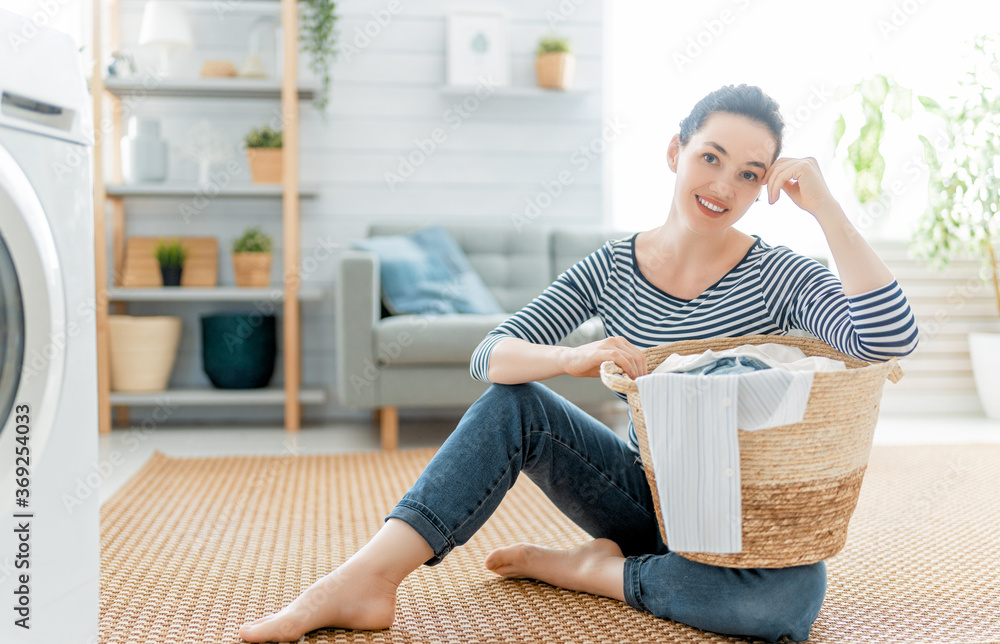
710,208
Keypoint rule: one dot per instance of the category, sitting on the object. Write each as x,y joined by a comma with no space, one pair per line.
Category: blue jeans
593,477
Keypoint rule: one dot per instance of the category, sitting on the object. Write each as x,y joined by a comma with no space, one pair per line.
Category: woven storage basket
800,482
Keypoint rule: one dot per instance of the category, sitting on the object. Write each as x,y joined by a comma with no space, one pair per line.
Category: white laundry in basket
691,428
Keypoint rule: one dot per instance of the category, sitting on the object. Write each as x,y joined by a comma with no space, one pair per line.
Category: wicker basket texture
800,482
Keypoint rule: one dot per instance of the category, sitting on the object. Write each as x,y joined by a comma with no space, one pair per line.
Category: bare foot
348,597
594,567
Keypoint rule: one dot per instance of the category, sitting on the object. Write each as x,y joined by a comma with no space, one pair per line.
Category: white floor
124,451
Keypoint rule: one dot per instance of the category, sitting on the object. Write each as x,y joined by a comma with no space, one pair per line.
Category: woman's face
720,171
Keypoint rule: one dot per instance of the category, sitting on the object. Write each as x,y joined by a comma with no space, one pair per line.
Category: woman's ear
673,151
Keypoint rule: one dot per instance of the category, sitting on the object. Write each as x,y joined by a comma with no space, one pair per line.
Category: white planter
984,349
143,350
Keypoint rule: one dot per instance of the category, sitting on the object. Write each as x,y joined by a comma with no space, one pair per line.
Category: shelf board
528,91
180,87
191,190
213,294
206,396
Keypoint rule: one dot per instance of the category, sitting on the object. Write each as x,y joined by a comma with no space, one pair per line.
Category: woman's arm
514,361
861,270
523,348
864,313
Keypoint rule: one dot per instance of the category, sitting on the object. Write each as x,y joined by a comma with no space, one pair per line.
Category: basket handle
895,372
615,378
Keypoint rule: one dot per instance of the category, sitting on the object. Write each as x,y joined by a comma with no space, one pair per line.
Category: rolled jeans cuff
427,524
630,582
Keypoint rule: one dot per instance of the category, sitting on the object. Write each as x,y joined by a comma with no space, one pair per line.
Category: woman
695,276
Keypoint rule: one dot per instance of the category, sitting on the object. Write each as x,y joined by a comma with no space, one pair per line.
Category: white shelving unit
217,294
114,193
211,397
249,190
465,90
201,88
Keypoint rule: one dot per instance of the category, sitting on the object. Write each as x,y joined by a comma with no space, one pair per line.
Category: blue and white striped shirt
771,291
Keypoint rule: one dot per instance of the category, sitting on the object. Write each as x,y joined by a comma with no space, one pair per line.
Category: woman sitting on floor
695,276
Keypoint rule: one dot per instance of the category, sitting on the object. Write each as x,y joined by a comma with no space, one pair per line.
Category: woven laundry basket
800,482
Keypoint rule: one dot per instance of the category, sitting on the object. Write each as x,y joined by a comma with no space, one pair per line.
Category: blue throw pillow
427,273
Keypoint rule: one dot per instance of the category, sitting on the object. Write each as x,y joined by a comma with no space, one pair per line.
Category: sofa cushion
515,266
570,245
450,339
426,272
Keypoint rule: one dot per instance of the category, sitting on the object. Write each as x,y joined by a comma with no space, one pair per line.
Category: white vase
265,45
984,349
144,152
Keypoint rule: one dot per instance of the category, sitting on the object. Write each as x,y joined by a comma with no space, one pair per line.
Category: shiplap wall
383,99
948,305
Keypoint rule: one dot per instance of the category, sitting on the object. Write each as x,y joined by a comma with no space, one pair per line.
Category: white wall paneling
386,97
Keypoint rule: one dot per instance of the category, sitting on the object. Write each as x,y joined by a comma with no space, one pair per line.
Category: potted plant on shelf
170,253
554,63
252,258
964,195
264,154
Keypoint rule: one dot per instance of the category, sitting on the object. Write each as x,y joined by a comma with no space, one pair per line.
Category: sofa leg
389,422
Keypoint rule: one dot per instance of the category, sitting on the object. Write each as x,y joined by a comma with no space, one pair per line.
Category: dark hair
743,100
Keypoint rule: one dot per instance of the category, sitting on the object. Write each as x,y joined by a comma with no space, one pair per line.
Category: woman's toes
508,560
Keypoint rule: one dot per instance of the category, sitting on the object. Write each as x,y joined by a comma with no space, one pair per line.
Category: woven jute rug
194,547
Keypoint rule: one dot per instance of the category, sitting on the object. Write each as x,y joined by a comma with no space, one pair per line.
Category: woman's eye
749,176
708,156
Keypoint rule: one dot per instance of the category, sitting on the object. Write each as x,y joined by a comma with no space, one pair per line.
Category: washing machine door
11,331
32,321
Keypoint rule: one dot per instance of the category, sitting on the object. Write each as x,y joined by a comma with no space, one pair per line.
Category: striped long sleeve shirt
771,291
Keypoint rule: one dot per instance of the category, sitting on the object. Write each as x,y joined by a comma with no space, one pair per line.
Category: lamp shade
165,24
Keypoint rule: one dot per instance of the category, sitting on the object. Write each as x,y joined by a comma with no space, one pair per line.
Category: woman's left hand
802,180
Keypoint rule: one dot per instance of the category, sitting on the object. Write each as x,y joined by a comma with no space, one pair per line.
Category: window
664,56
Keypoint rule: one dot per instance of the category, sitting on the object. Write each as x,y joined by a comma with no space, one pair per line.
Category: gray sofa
416,361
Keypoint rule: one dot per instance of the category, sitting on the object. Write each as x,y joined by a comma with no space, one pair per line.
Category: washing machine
49,534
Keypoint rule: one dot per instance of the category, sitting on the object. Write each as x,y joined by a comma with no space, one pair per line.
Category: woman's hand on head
585,360
802,181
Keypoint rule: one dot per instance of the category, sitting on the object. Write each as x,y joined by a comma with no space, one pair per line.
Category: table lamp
165,26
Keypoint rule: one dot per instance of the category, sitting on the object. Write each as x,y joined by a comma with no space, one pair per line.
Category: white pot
143,350
984,349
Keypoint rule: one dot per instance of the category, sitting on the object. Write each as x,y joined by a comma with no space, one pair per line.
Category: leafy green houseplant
317,19
252,258
264,154
554,62
878,96
263,137
963,210
170,254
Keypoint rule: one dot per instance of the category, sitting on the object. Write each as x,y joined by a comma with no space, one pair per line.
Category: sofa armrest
357,307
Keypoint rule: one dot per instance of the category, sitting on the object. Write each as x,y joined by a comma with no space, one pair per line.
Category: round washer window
11,333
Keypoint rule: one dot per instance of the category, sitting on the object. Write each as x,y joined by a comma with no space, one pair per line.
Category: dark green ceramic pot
238,349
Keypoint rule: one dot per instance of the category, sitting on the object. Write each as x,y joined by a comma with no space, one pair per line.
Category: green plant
879,96
553,45
170,252
964,184
317,20
253,240
265,137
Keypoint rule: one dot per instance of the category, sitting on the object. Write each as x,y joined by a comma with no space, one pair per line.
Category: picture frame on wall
477,48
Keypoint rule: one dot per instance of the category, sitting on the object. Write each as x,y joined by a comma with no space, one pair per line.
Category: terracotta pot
265,164
555,70
252,269
143,351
